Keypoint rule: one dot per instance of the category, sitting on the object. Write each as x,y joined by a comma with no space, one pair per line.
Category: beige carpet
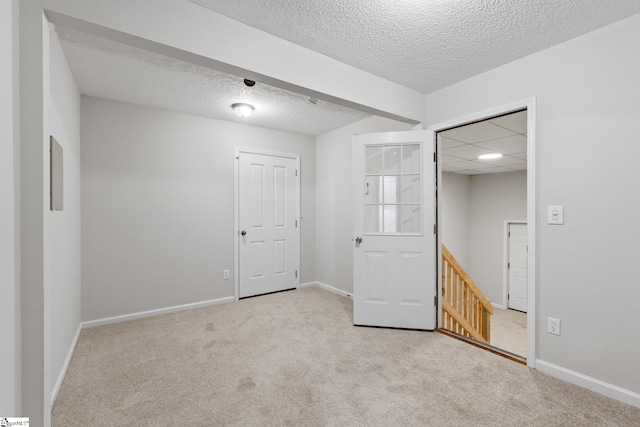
294,358
509,331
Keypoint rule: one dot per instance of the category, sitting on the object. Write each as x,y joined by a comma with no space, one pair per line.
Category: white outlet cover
553,326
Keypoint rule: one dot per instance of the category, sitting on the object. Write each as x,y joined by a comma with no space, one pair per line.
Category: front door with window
394,254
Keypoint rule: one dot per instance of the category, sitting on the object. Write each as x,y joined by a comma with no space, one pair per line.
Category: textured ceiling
107,69
506,135
425,44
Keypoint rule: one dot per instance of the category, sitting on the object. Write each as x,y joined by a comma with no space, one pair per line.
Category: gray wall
454,193
62,228
587,93
474,209
157,205
9,226
334,260
493,199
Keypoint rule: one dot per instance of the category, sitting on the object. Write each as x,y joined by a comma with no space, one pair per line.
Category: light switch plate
555,215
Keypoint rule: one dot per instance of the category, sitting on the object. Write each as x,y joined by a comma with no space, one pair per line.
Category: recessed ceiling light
490,156
242,110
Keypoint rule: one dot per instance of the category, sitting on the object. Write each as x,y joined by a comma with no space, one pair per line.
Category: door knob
243,232
358,240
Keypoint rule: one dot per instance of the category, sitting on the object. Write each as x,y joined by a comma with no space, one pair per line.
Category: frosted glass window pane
374,160
391,189
392,219
392,159
373,219
410,189
411,159
411,218
374,189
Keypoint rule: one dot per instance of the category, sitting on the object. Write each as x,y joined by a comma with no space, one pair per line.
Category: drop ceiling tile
522,156
469,172
450,159
508,145
519,167
472,165
516,122
451,168
478,132
466,152
494,170
447,143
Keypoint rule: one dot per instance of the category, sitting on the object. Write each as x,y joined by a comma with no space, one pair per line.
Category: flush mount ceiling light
242,110
490,156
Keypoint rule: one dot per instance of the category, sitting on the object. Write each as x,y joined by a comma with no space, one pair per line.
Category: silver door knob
243,232
358,240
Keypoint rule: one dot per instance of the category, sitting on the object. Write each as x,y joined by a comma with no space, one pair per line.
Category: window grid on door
393,189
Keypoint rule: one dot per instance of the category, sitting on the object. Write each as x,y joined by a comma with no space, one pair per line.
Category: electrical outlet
225,274
554,326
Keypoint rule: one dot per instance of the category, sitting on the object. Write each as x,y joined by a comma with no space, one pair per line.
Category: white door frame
532,206
505,262
236,206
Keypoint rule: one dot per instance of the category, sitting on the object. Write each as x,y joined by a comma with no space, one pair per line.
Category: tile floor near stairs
509,331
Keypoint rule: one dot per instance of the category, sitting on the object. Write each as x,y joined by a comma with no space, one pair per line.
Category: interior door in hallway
267,223
394,253
518,267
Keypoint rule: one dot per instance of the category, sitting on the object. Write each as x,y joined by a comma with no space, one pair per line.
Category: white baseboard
149,313
613,391
499,306
328,288
65,367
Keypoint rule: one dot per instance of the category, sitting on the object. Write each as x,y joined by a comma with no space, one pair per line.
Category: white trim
505,259
498,306
236,206
532,201
327,288
610,390
65,367
156,312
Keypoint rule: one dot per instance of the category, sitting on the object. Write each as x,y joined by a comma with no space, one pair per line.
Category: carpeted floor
294,358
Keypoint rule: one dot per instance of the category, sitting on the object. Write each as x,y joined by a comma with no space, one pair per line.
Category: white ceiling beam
185,31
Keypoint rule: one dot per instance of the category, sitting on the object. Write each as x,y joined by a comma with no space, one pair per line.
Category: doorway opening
485,180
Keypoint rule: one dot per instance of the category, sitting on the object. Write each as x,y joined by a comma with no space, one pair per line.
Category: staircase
465,309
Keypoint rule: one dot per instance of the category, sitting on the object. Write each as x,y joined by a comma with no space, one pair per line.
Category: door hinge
435,300
296,172
508,265
296,274
435,157
509,234
435,228
296,223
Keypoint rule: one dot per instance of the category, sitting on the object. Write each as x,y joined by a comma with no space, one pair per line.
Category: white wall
493,199
587,94
454,194
334,259
9,187
62,228
157,205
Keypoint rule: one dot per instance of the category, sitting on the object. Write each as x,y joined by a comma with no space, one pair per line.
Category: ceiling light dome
242,110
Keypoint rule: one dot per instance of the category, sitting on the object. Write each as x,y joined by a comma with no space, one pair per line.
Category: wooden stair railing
465,309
